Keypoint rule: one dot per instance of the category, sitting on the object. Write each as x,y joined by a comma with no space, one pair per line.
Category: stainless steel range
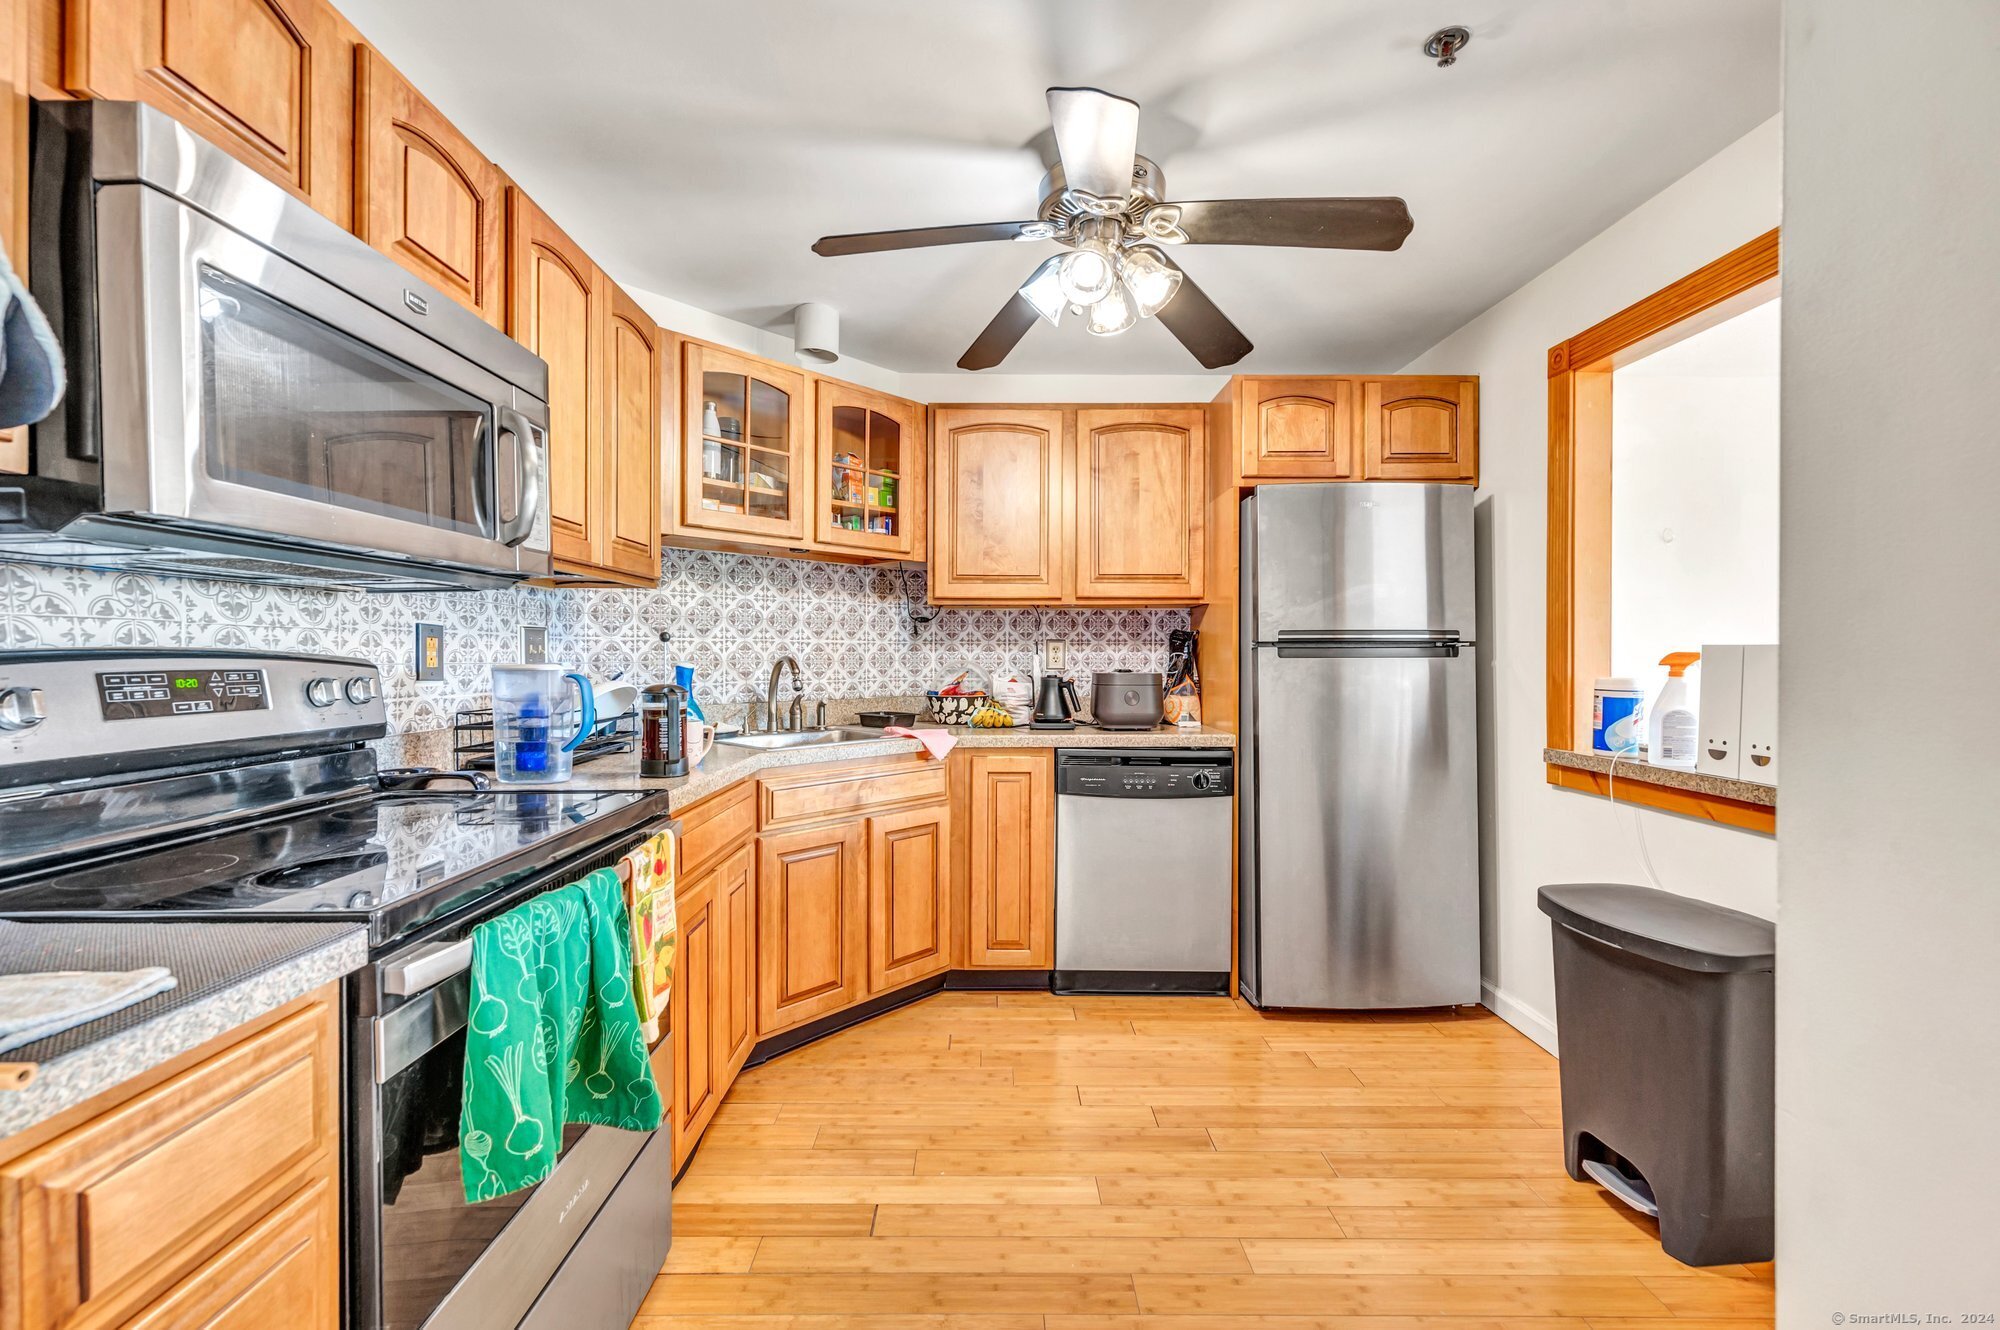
222,785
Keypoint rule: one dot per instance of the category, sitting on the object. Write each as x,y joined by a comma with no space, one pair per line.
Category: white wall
1532,832
1889,932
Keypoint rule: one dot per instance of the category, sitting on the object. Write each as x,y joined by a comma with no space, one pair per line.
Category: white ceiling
697,150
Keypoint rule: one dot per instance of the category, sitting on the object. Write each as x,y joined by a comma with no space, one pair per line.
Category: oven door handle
427,967
421,1024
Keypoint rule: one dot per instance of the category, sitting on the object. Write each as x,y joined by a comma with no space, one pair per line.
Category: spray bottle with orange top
1670,724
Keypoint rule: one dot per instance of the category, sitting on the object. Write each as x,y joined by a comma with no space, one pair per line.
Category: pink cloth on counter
935,741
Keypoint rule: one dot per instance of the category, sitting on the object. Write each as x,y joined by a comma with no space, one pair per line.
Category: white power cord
1638,824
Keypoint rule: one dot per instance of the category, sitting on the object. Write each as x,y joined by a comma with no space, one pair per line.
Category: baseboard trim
799,1036
998,980
1519,1015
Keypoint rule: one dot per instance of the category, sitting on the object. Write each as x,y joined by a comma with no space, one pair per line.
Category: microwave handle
527,478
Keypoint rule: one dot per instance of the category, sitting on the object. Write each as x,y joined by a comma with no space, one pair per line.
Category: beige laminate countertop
724,766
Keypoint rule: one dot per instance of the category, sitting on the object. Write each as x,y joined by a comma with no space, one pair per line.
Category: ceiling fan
1107,205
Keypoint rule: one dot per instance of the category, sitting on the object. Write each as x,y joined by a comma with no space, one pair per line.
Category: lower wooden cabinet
208,1198
736,1011
1010,860
691,1011
909,897
812,908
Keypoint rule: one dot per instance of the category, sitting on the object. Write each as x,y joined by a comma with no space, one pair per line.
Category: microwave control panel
129,696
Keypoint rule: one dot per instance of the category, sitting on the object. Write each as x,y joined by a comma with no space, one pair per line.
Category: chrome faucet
795,719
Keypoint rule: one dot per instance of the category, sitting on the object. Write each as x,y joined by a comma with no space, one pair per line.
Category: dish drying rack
472,739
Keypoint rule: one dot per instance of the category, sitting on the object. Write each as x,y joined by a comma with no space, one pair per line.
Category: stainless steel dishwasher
1143,856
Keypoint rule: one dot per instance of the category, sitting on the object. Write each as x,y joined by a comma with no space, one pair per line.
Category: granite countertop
1695,782
724,766
229,973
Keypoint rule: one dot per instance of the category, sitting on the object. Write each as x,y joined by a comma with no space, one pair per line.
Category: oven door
259,397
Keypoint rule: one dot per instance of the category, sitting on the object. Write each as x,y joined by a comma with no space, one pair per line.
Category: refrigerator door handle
1370,651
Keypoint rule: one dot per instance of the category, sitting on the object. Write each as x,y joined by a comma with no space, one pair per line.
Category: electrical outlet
534,644
1053,653
430,652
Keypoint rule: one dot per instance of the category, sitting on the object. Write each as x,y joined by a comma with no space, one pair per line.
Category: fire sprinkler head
1444,45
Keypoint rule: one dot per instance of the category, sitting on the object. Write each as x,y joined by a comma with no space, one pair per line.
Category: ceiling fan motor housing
1063,208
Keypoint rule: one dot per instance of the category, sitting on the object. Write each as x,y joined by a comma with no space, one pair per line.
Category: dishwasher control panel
1147,773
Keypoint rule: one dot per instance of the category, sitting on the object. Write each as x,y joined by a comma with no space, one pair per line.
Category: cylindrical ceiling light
816,332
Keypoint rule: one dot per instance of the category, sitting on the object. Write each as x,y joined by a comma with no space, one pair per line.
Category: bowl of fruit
956,702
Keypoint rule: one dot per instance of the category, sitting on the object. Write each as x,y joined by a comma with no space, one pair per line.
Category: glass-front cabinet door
870,480
744,463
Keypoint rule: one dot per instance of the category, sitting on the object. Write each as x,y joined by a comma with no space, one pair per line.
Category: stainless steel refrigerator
1358,800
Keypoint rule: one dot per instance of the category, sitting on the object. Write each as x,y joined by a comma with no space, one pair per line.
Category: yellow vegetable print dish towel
552,1036
655,929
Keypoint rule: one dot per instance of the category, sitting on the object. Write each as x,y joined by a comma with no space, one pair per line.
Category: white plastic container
1617,716
1721,710
1671,733
1760,714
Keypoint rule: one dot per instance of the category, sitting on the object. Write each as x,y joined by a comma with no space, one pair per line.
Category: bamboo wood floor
1020,1161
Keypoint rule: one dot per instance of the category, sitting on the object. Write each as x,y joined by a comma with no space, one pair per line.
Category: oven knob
360,690
21,708
321,693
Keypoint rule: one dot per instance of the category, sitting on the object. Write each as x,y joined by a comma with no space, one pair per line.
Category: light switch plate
430,652
1053,653
534,644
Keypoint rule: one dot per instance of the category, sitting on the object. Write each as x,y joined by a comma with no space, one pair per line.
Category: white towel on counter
35,1006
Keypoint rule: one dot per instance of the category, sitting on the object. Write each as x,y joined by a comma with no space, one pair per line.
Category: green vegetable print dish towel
552,1037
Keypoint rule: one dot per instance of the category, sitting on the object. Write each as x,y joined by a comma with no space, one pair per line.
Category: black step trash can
1667,1012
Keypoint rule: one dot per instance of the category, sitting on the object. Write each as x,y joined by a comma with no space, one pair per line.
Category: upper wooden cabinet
871,471
997,504
1350,427
423,194
1298,428
1420,429
604,400
745,459
1064,505
554,313
271,81
1139,483
627,534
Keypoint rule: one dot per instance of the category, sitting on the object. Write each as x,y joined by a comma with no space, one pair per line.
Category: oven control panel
130,695
66,715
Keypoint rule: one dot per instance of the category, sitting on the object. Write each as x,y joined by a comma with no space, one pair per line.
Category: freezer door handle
1371,651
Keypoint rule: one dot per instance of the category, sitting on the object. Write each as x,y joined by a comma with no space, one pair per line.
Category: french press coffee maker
663,730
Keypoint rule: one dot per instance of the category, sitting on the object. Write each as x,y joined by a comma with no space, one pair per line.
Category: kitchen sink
827,738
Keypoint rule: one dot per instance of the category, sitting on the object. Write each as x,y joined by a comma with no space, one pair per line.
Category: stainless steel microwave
255,393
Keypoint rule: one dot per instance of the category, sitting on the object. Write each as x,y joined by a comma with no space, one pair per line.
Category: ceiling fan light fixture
1113,313
1149,279
1044,291
1087,273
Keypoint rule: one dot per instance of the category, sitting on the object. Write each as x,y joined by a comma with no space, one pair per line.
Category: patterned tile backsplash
731,616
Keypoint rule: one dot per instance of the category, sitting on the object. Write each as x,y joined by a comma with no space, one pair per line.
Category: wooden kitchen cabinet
270,81
553,311
1009,815
812,908
694,1000
735,1017
604,400
1420,428
909,896
1297,428
192,1199
870,486
747,471
424,194
998,512
1139,483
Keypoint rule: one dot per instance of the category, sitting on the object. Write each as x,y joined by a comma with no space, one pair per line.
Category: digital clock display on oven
180,693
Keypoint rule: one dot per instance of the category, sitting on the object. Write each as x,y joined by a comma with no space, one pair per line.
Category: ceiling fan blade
1097,135
1202,328
1379,223
1009,326
870,242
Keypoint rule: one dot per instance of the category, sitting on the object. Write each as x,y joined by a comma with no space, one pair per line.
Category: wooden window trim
1579,581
